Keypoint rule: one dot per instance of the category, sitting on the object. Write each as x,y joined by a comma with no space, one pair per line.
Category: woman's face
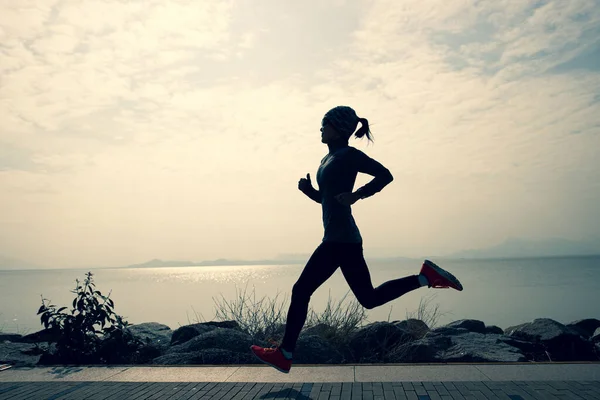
329,134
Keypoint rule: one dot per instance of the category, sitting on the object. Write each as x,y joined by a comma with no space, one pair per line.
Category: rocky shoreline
408,341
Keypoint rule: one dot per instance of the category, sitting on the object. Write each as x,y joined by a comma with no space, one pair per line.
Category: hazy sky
179,129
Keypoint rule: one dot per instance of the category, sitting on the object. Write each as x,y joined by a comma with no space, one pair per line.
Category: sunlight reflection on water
501,292
238,275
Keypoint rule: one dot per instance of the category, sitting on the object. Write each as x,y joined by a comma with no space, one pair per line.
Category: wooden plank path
463,390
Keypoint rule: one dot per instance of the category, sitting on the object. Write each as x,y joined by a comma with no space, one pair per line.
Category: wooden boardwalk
474,390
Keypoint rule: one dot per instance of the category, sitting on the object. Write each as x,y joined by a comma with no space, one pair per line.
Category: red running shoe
438,277
273,357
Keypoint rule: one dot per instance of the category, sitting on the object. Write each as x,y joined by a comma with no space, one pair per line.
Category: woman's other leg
356,272
321,265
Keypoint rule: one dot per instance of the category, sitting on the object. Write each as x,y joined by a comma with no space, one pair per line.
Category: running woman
342,242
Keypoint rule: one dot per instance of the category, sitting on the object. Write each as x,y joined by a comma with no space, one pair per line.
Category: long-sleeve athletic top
337,174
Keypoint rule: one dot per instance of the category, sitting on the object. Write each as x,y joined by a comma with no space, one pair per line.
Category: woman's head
341,122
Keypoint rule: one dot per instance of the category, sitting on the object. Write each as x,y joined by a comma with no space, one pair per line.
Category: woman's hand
305,184
347,198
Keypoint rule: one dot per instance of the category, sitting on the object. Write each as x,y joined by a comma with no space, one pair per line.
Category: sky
133,130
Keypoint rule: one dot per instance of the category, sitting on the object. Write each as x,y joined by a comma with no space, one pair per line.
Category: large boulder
585,327
479,347
448,331
374,341
208,356
10,337
460,346
533,351
45,335
220,357
322,330
313,349
415,327
472,325
422,350
596,336
177,359
561,342
187,332
219,338
19,354
153,333
223,324
494,329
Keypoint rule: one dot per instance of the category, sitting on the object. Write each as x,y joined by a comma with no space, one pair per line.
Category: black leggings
321,265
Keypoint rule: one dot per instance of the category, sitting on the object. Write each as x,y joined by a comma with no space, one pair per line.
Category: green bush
91,332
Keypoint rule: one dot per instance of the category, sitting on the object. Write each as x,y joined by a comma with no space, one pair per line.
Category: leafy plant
91,332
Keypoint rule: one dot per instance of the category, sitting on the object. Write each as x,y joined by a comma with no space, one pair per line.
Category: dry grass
264,318
427,311
343,316
198,317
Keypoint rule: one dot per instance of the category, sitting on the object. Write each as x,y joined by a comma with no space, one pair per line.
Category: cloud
156,122
15,158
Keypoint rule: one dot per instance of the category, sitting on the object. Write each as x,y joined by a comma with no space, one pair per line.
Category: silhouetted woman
342,243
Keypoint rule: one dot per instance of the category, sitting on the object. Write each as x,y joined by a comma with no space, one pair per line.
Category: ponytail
364,130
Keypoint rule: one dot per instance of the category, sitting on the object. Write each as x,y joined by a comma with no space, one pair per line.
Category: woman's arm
313,194
305,186
381,175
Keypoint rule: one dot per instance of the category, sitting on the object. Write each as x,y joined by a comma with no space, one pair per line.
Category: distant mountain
156,263
8,263
518,247
219,262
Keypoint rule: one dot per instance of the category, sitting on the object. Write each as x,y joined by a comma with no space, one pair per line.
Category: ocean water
498,292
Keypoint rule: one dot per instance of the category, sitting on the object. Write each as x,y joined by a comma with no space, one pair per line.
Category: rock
209,356
561,342
421,350
322,330
158,335
371,342
313,349
276,332
19,354
472,325
585,327
219,338
177,359
514,328
10,337
478,347
220,357
45,335
596,336
186,332
415,327
494,329
448,331
223,324
533,351
464,347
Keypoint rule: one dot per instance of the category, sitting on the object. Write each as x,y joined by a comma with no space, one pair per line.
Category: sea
501,292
